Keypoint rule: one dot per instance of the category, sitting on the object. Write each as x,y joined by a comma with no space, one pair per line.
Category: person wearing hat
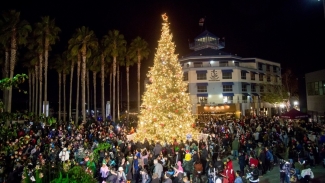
104,171
254,174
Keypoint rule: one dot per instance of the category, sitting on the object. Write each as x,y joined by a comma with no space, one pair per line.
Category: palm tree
72,61
65,71
37,43
51,35
120,62
103,60
27,63
74,53
129,61
58,66
32,59
5,43
116,45
140,48
18,31
95,67
85,41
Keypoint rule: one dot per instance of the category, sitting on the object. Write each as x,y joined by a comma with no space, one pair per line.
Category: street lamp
323,6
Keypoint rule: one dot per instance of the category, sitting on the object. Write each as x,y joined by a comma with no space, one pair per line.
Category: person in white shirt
64,155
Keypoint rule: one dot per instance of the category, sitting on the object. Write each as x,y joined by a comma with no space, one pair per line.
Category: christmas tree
166,109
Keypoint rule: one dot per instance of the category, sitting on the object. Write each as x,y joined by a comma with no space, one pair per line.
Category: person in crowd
238,178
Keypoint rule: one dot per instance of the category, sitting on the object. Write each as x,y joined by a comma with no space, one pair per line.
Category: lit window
201,76
226,75
227,88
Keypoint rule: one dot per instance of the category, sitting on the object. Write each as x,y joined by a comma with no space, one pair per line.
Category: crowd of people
257,144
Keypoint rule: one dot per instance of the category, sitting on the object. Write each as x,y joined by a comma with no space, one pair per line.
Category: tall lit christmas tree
166,109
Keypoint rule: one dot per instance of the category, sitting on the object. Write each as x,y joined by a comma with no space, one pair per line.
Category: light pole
323,6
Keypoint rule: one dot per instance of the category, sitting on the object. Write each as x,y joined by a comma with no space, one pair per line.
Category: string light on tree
169,116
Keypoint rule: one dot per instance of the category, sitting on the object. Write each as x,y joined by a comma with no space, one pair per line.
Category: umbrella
294,114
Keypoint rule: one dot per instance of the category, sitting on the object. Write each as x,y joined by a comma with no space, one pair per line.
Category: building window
269,88
227,99
244,99
243,87
274,69
203,100
201,76
268,78
261,88
243,74
237,64
260,66
253,88
268,67
252,75
227,88
197,64
260,77
227,75
185,76
223,64
316,88
202,89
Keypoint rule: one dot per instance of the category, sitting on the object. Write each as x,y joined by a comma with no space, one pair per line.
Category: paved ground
274,175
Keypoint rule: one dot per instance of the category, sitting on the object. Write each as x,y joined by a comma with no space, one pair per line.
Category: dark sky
291,32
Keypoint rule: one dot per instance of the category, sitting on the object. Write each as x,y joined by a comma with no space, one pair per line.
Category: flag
201,21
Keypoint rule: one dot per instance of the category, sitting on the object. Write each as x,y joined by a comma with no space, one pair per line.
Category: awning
201,84
262,73
201,72
202,95
253,84
228,94
245,94
244,71
244,83
253,72
227,71
255,94
227,83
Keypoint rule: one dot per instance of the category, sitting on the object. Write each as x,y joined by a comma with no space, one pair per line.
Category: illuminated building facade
222,83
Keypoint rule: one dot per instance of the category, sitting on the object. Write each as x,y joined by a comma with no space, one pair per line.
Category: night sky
291,32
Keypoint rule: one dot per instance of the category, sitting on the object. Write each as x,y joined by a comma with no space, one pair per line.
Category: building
222,83
315,90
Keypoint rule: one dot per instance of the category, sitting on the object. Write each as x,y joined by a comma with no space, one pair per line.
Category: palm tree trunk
88,95
46,57
118,91
128,90
77,95
40,57
36,90
114,87
95,103
6,75
12,65
83,83
29,90
70,94
64,97
110,92
59,113
139,66
33,91
102,84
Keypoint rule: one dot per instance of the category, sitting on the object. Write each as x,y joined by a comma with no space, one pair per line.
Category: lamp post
295,103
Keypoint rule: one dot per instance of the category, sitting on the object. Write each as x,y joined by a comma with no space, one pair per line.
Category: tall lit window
227,99
244,99
202,99
261,88
253,88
